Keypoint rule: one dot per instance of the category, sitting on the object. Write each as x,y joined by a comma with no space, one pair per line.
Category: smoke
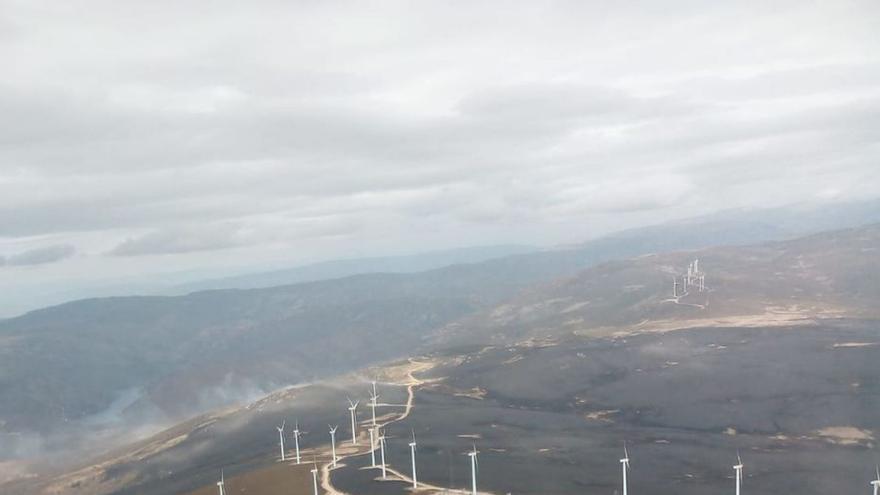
251,408
234,389
26,452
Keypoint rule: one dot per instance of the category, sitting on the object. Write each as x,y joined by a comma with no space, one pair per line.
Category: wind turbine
353,410
372,447
382,450
876,482
412,449
739,473
374,402
315,477
296,440
281,438
221,484
333,442
624,463
474,468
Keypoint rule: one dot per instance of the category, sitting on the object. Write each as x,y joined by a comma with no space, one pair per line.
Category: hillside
833,274
103,364
574,348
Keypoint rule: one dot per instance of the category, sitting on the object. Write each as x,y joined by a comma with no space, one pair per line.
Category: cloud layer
39,256
162,131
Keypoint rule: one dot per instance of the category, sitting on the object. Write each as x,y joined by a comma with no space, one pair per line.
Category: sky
147,142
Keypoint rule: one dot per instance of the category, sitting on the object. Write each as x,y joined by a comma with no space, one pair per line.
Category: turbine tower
374,401
296,440
739,473
876,482
382,450
221,485
353,410
281,438
333,442
624,463
412,450
373,447
474,468
315,478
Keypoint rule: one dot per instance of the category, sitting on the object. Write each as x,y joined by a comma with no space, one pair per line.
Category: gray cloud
39,256
324,128
201,238
225,235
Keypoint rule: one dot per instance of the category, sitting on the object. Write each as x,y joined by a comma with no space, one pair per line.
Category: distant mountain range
729,227
343,268
146,359
721,228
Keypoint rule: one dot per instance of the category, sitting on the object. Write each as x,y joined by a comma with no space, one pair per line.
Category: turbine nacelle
474,452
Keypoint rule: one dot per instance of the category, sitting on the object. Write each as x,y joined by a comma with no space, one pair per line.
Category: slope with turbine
828,275
106,364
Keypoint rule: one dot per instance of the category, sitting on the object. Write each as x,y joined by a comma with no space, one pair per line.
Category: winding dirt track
411,383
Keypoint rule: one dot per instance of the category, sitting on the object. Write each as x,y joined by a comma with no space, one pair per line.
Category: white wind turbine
315,477
296,440
382,450
739,472
373,446
353,410
221,485
374,401
474,467
412,450
333,442
876,482
624,463
281,438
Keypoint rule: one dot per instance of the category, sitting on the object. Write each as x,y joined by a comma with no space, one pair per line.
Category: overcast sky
139,138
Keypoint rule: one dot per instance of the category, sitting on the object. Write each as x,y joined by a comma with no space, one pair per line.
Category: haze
175,140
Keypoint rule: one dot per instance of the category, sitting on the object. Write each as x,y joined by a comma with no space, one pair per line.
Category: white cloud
331,129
